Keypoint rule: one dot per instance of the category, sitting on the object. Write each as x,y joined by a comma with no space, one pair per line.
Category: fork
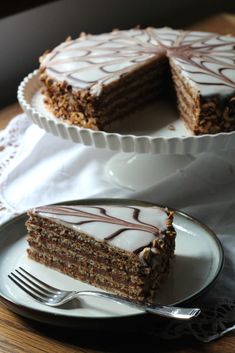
51,296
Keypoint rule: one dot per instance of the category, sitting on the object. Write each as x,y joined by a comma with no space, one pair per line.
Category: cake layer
92,276
113,264
187,101
91,252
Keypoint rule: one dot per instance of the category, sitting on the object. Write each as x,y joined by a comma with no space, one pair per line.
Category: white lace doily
38,168
214,322
10,140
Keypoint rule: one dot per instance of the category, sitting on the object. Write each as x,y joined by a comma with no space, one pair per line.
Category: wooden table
18,335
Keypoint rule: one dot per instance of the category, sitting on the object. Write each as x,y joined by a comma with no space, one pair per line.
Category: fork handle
160,310
173,311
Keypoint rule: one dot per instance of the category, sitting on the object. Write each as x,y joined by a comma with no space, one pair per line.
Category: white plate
198,261
155,129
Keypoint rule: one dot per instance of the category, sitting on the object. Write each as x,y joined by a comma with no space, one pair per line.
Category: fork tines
33,286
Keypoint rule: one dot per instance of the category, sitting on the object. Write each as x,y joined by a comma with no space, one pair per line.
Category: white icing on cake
127,227
206,60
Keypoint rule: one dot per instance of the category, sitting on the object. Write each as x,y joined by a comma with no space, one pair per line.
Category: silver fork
51,296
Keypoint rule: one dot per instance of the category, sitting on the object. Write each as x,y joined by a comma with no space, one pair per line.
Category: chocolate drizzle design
103,217
92,61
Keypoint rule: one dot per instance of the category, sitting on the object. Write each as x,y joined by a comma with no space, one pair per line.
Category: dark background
28,28
10,9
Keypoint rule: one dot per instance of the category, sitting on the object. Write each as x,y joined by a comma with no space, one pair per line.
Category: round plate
154,129
198,262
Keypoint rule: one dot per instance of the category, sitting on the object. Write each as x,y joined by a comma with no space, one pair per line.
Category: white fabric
38,168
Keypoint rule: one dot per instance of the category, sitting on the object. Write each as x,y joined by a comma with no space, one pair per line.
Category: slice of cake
95,80
124,249
203,72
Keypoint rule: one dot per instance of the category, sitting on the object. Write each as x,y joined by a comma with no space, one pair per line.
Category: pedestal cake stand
151,144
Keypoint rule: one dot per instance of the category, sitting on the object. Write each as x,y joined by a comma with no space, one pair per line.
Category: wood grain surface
19,335
8,113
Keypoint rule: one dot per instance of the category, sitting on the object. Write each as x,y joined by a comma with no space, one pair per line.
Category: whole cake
96,79
125,249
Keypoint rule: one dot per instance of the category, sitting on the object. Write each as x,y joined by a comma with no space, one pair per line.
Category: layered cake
124,249
95,80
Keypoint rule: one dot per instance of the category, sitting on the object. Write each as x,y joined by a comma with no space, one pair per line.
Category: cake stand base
140,171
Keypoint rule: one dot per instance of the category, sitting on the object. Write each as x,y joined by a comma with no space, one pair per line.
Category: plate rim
116,141
48,317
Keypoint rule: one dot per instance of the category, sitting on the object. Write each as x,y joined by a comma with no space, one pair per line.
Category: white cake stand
152,144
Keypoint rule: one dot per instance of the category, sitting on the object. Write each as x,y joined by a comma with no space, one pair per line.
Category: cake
95,80
124,249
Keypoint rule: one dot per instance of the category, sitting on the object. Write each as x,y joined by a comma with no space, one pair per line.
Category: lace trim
10,139
213,322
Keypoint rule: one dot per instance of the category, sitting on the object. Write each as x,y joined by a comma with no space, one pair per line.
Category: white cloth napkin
38,168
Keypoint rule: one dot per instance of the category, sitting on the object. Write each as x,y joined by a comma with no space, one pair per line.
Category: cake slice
122,248
95,80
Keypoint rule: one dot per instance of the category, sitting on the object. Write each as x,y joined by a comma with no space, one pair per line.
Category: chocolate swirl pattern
92,61
127,227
